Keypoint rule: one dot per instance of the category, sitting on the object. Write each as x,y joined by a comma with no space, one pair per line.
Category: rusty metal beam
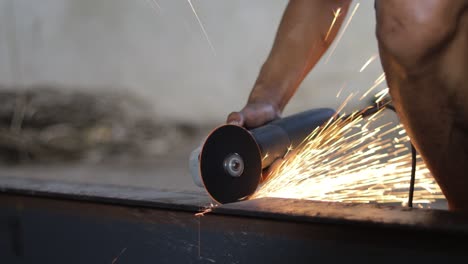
54,222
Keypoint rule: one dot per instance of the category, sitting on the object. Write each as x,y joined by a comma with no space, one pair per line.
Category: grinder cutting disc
230,164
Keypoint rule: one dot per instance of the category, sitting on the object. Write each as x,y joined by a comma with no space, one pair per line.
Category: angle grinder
229,163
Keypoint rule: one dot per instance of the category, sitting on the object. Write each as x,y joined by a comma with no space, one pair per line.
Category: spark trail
336,14
338,39
377,82
202,27
155,5
369,61
348,161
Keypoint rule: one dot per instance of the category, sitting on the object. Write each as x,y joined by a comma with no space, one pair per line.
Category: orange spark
207,209
345,102
341,90
377,82
342,32
380,79
290,148
381,95
336,14
204,212
369,61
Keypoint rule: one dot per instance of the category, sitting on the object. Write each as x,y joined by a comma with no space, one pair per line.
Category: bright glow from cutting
351,160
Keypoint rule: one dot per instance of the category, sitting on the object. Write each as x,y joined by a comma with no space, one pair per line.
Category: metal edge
304,211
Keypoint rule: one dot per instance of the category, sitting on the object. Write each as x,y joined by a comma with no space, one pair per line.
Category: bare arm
303,37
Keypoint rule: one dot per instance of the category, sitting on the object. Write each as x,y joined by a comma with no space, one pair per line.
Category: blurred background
120,92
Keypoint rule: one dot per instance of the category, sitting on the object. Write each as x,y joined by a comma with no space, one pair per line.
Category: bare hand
254,115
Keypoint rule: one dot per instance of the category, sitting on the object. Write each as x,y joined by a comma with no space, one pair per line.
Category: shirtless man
423,47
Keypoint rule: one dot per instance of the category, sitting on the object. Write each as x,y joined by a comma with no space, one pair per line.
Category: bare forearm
303,36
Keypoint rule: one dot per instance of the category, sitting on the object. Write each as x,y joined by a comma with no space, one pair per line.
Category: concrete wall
163,55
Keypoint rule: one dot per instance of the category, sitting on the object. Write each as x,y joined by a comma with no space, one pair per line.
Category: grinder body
275,138
230,162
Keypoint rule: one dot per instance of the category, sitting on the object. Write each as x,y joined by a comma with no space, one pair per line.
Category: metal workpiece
351,213
74,223
107,194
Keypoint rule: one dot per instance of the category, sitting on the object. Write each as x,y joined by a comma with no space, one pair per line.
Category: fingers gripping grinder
230,162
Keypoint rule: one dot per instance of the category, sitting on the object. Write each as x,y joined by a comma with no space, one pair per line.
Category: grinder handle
276,137
300,125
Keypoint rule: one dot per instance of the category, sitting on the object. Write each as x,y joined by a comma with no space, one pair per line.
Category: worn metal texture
43,222
351,213
100,193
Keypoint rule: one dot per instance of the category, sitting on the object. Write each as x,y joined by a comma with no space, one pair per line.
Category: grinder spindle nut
234,165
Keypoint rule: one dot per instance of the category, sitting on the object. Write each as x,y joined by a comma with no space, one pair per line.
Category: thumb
235,118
